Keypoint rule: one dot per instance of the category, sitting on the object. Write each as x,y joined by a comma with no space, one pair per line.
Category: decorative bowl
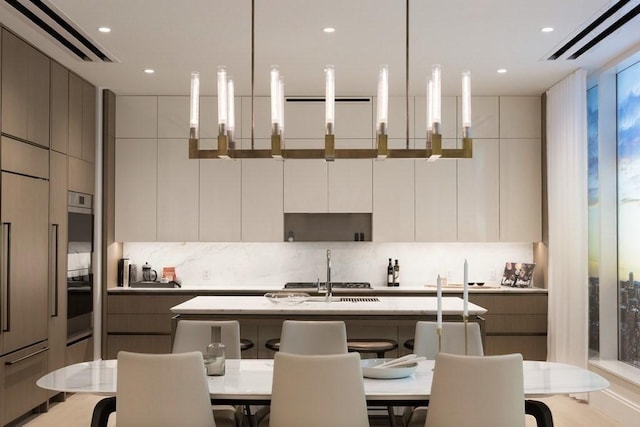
369,370
287,298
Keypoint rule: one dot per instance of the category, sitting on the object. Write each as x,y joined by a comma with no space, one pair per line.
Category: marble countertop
255,289
238,305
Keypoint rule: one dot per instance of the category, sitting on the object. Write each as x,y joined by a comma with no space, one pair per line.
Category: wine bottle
396,274
390,274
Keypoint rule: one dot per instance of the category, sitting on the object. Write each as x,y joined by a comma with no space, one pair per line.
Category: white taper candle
465,291
439,310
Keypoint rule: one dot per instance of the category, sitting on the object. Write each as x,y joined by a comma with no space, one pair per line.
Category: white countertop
397,305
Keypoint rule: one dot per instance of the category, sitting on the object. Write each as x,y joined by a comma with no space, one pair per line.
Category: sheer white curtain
567,198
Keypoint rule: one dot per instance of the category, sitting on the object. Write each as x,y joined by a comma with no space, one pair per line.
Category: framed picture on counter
518,275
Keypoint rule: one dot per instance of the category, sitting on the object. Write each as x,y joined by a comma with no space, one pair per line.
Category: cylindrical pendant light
437,100
231,113
194,106
222,100
383,100
430,106
281,103
466,102
275,99
330,99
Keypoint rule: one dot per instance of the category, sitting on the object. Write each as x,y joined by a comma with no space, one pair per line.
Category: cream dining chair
318,391
157,390
481,391
426,344
313,337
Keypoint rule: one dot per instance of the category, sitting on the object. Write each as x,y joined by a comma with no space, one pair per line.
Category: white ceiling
176,37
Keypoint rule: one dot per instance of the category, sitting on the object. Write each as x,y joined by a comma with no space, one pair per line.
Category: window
594,222
628,204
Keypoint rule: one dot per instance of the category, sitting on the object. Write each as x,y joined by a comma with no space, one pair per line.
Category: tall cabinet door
24,214
57,260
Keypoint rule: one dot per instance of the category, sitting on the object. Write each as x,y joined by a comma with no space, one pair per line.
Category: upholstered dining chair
426,339
318,391
195,335
482,391
426,344
162,390
313,337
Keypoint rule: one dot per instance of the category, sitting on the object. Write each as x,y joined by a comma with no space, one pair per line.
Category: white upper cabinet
520,117
220,205
137,117
262,200
261,116
520,190
136,190
178,192
305,186
173,117
305,120
478,193
485,117
393,200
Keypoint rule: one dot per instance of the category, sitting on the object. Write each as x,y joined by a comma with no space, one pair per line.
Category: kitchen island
140,319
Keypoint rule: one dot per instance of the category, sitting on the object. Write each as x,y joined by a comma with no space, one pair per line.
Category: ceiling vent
56,25
609,21
321,99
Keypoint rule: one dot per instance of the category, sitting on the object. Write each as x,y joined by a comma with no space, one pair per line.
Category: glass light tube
436,110
466,99
275,98
194,110
231,113
383,100
430,106
222,98
281,104
330,99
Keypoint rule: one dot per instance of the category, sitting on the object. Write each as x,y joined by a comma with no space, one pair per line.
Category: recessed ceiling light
329,30
502,70
104,29
546,29
149,71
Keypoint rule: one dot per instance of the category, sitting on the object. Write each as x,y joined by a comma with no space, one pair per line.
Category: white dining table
249,381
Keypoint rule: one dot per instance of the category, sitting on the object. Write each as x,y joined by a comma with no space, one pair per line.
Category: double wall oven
79,268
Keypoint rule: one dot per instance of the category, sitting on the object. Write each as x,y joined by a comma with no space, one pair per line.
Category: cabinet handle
35,353
53,270
5,276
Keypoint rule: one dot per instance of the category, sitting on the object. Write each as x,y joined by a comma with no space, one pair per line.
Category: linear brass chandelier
226,121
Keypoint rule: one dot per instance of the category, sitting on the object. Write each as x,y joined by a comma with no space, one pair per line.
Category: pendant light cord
253,68
406,71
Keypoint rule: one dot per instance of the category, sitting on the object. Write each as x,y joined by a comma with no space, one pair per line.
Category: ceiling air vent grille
321,99
615,22
60,28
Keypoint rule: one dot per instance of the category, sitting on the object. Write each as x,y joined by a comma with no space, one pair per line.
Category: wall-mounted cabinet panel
478,193
88,122
351,182
76,85
449,125
81,176
520,117
262,200
173,117
484,117
436,192
136,117
220,200
520,190
59,108
305,186
261,118
393,200
136,190
25,90
178,192
307,119
397,126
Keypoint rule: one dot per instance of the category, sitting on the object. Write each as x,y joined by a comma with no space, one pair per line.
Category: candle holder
465,319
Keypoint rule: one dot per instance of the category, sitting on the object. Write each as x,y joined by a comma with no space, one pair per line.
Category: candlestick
465,290
465,319
439,310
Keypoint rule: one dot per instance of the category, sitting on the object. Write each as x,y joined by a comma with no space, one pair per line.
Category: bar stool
273,344
245,344
378,346
409,344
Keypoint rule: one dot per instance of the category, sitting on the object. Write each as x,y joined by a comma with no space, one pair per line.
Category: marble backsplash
211,265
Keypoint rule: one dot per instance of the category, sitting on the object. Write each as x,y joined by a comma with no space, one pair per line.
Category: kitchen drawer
144,304
138,344
81,351
511,304
514,323
140,323
21,371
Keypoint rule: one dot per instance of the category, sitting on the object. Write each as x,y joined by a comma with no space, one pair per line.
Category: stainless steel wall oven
79,268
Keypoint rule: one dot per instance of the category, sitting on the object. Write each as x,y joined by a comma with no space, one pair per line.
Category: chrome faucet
328,284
